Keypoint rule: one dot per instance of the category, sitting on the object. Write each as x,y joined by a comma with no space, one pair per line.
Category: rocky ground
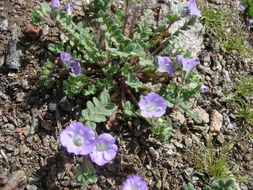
31,157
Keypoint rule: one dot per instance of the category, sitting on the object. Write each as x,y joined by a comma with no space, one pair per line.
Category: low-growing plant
99,53
46,79
216,164
115,51
249,8
217,184
241,102
220,23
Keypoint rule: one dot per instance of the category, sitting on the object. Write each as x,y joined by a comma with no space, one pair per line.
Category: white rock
216,121
178,116
202,114
4,25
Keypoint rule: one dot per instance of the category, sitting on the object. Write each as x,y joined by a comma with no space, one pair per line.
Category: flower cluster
192,9
55,4
74,65
82,140
166,65
153,105
135,183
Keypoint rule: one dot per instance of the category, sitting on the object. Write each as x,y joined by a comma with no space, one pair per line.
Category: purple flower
191,10
75,67
249,22
65,57
55,4
78,139
204,89
105,149
135,183
186,11
68,8
188,64
194,9
152,105
165,65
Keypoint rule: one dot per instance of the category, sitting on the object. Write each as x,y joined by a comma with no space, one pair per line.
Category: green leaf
96,102
45,7
91,107
98,110
104,97
161,128
91,124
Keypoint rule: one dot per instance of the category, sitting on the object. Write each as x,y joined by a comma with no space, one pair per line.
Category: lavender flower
65,57
249,22
191,10
188,64
194,9
75,67
78,139
204,89
152,105
135,183
186,11
68,8
55,4
165,65
105,149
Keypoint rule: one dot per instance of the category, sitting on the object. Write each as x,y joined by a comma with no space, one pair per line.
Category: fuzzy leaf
98,110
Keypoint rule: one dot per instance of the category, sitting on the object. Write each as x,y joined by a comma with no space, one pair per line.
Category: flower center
100,147
78,141
135,187
150,107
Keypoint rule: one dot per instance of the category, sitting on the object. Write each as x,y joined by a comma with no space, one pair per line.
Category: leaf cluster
74,84
86,172
217,184
97,110
179,96
46,79
162,129
38,13
249,9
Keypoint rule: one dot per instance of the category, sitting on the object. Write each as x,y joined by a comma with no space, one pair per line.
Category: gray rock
13,58
178,145
239,6
1,61
45,30
227,84
4,25
221,138
66,105
190,40
3,96
188,172
158,185
188,142
243,186
31,187
35,125
26,130
169,152
153,153
9,127
218,2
